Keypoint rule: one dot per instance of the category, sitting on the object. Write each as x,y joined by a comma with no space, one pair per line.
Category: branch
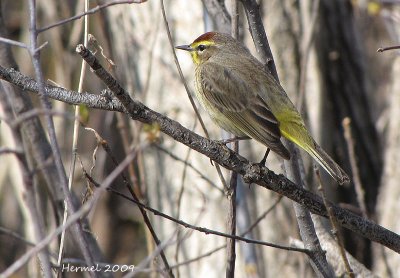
72,219
91,11
219,14
127,184
205,230
26,119
382,49
233,184
292,166
78,229
251,172
26,190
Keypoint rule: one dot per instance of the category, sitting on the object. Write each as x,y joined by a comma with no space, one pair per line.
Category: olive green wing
227,91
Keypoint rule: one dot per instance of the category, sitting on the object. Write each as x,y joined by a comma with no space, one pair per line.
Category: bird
243,98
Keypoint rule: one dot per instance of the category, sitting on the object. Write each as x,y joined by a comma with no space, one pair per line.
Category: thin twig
307,40
72,219
187,87
248,230
180,71
23,117
191,166
30,201
234,19
360,193
262,216
91,11
15,235
231,222
208,231
292,167
41,149
35,54
13,42
335,229
159,248
75,133
231,190
103,143
178,208
5,150
82,242
27,193
382,49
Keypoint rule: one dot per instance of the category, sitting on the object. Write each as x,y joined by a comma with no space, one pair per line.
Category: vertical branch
220,15
360,193
218,168
306,45
178,211
217,10
335,231
292,167
21,103
75,135
234,19
73,218
41,150
104,75
257,31
231,223
35,54
346,92
28,191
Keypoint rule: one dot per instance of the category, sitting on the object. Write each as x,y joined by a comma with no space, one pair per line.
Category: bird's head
205,46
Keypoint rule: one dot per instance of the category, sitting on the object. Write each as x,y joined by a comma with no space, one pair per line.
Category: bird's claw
264,160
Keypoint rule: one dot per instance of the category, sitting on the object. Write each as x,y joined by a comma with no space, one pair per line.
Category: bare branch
360,193
73,218
335,229
15,43
35,54
382,49
208,231
5,150
15,235
292,166
146,219
91,11
252,173
189,165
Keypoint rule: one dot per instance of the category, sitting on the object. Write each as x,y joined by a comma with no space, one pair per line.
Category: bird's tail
295,130
327,163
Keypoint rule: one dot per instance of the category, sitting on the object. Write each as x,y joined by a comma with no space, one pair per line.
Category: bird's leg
262,162
234,139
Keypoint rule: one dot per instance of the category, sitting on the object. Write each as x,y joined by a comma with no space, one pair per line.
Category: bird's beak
185,47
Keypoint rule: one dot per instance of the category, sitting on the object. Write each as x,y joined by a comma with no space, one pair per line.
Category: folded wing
240,104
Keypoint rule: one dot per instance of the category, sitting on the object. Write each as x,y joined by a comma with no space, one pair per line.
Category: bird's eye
201,47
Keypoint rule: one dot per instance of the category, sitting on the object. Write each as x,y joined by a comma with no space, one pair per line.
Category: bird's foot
262,162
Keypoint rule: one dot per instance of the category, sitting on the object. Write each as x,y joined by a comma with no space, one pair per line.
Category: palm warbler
245,99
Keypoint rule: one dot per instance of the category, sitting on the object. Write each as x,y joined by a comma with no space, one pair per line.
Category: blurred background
326,57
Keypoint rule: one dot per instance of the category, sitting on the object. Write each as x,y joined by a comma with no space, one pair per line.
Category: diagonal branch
205,230
252,172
